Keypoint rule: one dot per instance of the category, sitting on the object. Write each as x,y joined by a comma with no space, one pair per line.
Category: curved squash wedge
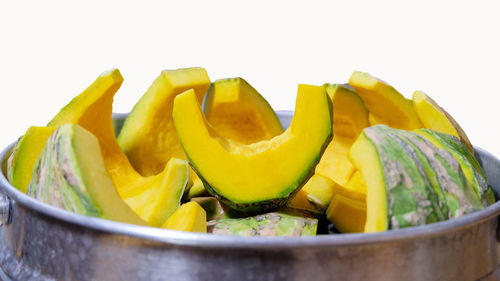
92,110
386,104
239,113
148,136
23,158
349,119
261,175
436,118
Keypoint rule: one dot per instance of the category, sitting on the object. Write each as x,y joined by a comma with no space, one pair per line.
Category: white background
51,50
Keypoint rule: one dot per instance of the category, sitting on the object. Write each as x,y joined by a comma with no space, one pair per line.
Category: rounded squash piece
92,110
388,106
156,205
239,113
189,217
436,118
23,158
409,181
70,174
148,136
261,175
349,119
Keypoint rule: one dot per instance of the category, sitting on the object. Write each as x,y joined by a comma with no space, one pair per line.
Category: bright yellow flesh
148,136
335,163
319,190
239,113
436,118
347,209
301,202
387,104
97,180
155,205
346,214
350,117
189,217
92,110
260,171
24,158
365,157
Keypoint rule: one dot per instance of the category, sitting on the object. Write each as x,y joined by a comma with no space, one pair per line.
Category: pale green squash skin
57,180
423,183
270,224
467,161
70,174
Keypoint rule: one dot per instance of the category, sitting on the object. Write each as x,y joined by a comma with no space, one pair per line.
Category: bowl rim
206,240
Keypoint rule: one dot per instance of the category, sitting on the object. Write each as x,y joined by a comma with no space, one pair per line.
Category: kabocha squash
349,119
335,169
70,174
261,175
470,167
92,110
409,181
347,209
319,191
213,208
270,224
23,158
148,136
436,118
386,105
302,202
157,203
189,217
239,113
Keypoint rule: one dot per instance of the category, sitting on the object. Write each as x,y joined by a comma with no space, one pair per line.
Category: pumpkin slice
436,118
189,217
261,175
301,202
347,209
319,191
239,113
394,172
213,208
386,104
155,205
470,167
349,119
92,110
23,158
347,215
270,224
148,136
70,174
196,190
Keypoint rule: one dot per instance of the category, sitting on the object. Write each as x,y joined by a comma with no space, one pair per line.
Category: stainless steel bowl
40,242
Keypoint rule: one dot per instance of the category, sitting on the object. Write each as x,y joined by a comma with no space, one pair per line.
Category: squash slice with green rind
23,158
148,135
92,110
262,175
70,174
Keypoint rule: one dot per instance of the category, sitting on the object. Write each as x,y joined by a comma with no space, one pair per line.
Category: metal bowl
41,242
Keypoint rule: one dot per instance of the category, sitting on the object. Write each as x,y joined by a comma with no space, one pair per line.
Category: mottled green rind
270,224
57,179
470,166
424,183
70,174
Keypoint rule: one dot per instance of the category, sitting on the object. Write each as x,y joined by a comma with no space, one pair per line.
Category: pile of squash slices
202,156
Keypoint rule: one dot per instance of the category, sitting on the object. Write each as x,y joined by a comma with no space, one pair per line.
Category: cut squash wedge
262,175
